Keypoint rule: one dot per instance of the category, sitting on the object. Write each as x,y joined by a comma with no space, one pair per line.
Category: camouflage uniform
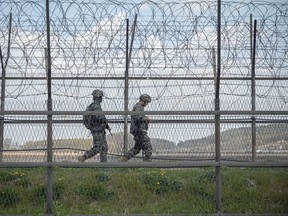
138,128
98,132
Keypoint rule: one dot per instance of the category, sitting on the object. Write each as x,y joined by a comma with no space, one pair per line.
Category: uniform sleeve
139,108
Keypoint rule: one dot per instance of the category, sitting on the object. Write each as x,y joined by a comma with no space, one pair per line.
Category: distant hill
271,136
116,143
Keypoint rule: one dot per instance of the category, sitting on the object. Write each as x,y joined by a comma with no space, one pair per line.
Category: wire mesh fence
127,48
186,139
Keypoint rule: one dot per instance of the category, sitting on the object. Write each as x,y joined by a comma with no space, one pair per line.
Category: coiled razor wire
171,59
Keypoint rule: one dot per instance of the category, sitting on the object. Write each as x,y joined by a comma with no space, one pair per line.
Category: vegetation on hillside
272,136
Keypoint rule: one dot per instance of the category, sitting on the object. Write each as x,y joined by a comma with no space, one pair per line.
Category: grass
143,191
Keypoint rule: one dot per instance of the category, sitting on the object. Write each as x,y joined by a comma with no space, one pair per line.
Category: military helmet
145,98
97,93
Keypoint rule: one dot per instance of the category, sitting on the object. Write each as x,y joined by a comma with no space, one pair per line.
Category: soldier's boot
147,159
123,159
81,158
103,158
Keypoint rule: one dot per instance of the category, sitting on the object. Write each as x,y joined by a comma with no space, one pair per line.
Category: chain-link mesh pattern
195,140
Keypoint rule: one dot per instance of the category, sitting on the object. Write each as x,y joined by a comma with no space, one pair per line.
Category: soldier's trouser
99,146
142,142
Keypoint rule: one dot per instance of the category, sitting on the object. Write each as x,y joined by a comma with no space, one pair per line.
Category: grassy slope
140,191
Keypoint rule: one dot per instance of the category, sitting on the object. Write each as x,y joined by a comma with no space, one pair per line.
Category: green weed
103,176
95,191
9,197
38,192
159,183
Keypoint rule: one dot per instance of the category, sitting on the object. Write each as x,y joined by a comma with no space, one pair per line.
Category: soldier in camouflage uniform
97,126
138,128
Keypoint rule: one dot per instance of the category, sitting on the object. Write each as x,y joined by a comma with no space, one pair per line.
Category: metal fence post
217,116
126,90
3,84
2,106
49,118
126,94
253,92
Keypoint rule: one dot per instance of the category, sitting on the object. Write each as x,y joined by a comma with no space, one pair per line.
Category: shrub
6,176
103,176
208,177
22,182
161,184
8,197
39,191
58,188
95,191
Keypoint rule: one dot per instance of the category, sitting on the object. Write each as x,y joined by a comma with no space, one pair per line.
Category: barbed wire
172,39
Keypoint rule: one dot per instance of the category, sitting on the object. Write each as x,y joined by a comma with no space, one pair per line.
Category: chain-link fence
196,141
54,55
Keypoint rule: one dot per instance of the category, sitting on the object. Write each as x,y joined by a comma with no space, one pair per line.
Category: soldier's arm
140,109
140,118
106,123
